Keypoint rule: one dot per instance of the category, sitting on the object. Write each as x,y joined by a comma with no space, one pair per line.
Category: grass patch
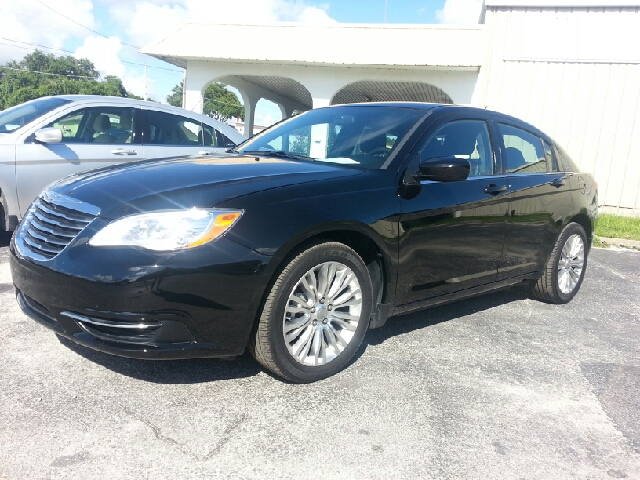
613,226
599,243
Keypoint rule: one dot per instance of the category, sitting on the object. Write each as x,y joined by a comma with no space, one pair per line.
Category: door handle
205,152
122,151
493,189
557,182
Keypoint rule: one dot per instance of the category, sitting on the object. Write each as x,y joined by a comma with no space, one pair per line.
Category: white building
570,67
240,126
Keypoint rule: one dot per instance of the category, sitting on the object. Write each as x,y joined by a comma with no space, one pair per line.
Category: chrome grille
51,223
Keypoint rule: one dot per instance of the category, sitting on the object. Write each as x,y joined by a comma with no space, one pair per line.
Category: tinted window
13,118
468,139
523,152
213,138
166,129
552,161
360,136
564,160
109,125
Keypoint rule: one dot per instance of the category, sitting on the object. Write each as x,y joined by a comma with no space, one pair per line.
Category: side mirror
49,135
445,169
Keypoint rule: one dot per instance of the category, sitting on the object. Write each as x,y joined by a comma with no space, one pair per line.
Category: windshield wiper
277,153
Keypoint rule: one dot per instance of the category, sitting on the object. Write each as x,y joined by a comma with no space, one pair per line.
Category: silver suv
49,138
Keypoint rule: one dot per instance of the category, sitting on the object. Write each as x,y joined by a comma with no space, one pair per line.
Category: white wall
575,74
324,81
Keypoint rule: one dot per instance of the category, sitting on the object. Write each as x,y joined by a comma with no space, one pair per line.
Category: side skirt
452,297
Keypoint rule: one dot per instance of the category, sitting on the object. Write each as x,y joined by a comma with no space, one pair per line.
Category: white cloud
136,85
148,20
314,15
460,11
136,22
32,23
104,53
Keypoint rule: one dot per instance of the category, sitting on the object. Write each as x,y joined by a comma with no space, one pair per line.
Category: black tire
547,288
268,344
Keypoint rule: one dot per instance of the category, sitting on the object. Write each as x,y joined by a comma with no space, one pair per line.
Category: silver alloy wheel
322,313
570,264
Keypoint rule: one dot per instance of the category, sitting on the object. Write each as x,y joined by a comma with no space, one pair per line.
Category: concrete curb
620,242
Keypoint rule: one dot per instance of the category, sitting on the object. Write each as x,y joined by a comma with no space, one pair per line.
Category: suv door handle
122,151
557,182
205,152
493,189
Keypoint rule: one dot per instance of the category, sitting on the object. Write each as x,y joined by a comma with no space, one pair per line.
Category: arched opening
267,99
367,91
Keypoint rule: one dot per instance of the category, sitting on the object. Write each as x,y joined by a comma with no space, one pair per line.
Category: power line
47,73
69,51
80,25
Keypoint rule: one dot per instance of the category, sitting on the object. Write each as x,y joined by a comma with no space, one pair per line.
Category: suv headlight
167,230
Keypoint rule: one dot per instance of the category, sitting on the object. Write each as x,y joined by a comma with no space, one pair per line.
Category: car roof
444,109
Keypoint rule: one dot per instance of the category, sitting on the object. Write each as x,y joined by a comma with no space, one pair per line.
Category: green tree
175,97
39,74
219,103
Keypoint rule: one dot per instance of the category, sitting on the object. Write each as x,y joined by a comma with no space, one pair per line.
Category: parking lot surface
496,387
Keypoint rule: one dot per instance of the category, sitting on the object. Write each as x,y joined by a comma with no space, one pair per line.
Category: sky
110,32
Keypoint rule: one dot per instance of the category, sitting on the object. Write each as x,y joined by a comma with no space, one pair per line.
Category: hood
186,182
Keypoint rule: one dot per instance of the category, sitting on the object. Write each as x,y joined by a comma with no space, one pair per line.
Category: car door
92,137
168,135
451,233
539,202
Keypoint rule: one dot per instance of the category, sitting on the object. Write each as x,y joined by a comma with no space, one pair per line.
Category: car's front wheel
316,314
566,267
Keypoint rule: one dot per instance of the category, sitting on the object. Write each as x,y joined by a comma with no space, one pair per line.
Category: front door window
97,125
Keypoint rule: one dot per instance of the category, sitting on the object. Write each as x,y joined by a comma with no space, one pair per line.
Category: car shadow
198,370
205,370
429,317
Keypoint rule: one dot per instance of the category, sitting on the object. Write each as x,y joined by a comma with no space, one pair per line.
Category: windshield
16,117
362,136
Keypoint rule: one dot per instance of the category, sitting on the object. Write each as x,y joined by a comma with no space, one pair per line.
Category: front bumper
140,304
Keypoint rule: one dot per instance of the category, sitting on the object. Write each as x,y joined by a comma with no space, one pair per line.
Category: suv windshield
363,136
16,117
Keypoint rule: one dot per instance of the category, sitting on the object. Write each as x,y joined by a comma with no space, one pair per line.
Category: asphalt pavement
495,387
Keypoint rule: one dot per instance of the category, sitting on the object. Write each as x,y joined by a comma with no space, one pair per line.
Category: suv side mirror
48,135
444,169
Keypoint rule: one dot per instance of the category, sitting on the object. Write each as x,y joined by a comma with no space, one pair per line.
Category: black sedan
305,236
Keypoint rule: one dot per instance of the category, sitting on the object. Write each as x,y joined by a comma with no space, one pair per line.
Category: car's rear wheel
316,314
566,267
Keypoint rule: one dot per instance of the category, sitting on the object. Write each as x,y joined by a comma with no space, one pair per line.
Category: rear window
17,117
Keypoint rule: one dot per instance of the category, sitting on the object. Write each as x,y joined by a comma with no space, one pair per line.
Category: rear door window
523,152
552,161
167,129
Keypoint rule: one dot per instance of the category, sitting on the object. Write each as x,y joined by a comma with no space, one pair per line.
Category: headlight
168,230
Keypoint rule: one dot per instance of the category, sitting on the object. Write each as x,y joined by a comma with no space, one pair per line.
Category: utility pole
184,88
145,81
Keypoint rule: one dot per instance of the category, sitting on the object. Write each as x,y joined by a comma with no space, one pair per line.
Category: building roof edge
562,3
